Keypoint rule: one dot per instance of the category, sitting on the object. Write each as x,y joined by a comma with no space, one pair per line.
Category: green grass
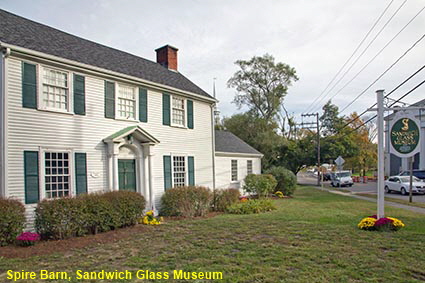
310,238
397,200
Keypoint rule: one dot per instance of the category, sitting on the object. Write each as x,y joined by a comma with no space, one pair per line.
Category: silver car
402,184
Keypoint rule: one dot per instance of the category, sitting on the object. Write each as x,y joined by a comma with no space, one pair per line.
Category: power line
392,104
380,76
392,91
363,52
354,52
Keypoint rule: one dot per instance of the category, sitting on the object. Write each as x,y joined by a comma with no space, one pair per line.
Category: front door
127,174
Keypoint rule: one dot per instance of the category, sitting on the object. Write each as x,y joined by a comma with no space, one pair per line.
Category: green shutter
109,100
167,172
190,114
166,109
29,85
79,95
81,173
143,105
191,169
32,190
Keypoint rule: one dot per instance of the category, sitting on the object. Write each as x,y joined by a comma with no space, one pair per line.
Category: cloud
315,37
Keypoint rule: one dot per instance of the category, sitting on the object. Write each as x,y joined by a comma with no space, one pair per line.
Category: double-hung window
126,102
179,171
249,166
57,176
234,170
55,88
178,111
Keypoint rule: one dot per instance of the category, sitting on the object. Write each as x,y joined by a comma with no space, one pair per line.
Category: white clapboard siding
223,170
28,129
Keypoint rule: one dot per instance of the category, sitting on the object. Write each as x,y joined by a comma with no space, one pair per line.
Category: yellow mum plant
279,194
150,219
372,223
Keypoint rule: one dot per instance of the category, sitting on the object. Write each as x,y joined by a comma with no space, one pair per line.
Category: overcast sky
314,37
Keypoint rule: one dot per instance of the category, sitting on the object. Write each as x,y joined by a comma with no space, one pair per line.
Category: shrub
186,201
12,220
87,214
262,184
251,206
27,239
286,180
225,198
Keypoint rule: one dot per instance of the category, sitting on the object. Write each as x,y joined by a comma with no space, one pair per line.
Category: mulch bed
62,246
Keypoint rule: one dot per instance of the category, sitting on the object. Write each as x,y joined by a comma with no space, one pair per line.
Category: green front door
127,174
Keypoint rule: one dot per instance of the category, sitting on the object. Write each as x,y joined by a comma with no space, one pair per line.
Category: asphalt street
369,188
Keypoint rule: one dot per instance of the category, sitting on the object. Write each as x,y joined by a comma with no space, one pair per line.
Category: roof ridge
20,31
80,37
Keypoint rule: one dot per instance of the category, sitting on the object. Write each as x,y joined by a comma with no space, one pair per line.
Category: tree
330,121
367,155
261,85
258,133
295,153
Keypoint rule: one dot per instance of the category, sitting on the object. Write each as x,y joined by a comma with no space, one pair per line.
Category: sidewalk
389,203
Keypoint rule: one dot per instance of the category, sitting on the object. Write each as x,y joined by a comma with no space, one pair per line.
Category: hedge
225,198
12,220
286,180
87,214
188,201
261,184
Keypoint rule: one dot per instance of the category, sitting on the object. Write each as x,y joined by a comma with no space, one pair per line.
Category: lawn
310,238
397,200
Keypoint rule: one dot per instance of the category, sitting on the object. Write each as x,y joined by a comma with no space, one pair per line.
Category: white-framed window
179,171
55,89
249,166
178,111
57,173
234,170
126,102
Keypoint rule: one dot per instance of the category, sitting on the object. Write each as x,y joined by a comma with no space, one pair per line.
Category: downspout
213,142
5,52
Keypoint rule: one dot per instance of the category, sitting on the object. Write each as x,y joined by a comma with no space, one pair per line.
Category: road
368,188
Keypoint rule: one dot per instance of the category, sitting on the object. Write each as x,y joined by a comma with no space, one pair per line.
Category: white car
342,178
402,184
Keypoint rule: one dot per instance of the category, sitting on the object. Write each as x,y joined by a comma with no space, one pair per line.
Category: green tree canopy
261,85
258,133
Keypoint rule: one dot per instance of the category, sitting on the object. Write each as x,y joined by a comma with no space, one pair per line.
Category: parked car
326,176
416,172
402,184
341,179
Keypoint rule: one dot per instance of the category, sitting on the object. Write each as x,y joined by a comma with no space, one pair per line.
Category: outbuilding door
127,174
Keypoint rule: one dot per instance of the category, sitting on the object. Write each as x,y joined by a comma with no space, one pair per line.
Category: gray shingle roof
25,33
228,142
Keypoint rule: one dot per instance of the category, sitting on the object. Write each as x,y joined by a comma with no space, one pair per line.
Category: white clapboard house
77,116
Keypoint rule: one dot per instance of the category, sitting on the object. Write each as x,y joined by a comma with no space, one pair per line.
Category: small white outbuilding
234,159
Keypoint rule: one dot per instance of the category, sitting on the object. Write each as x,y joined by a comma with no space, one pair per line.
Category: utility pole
310,126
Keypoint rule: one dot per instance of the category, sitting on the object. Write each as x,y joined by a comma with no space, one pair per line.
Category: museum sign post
405,139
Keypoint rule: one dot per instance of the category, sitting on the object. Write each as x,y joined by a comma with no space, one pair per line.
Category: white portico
130,152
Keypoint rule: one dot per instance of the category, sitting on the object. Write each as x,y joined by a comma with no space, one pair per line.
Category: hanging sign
404,135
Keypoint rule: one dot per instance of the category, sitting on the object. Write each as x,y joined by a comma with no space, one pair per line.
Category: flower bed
372,223
27,239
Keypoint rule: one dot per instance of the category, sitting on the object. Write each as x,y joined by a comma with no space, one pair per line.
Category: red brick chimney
167,57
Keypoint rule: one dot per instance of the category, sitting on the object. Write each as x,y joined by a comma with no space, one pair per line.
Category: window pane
249,166
126,102
234,170
56,177
179,171
178,111
55,89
